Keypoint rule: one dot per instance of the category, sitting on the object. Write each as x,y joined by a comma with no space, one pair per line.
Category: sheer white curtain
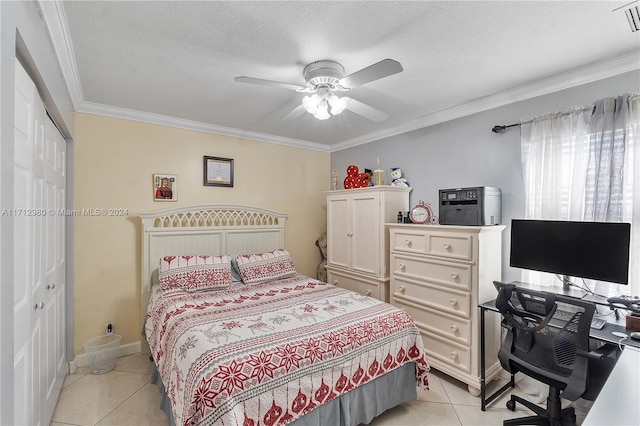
631,195
578,164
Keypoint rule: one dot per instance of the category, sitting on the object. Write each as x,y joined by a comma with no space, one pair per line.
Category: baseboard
81,360
504,374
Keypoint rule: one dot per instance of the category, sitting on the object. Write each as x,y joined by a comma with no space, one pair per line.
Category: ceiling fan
323,79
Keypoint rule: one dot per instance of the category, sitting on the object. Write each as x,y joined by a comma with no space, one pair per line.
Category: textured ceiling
174,62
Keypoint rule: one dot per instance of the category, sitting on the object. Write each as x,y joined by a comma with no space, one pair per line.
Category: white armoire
357,241
39,256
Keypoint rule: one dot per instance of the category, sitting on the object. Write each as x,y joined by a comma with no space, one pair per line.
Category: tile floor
125,396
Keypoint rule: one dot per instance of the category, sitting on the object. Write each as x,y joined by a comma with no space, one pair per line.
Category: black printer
476,206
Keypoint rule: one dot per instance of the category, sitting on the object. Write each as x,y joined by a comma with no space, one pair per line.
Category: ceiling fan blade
294,113
365,110
290,86
379,70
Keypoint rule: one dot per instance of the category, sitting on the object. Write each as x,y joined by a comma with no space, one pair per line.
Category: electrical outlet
109,328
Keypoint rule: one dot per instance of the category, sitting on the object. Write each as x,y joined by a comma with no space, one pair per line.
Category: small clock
421,213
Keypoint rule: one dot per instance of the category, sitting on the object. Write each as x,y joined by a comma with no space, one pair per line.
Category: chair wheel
511,405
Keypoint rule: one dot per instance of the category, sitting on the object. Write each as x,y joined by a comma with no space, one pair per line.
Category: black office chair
548,339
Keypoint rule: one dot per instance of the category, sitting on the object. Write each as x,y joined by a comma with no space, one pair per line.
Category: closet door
53,238
27,192
39,264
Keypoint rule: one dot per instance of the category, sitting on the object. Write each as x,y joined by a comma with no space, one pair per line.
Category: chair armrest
599,353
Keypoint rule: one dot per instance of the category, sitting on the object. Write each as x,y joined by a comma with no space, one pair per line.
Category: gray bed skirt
358,406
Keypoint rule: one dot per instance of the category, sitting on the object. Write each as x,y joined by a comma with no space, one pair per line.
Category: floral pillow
262,267
195,273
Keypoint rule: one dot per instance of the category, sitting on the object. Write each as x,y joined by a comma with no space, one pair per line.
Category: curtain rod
500,129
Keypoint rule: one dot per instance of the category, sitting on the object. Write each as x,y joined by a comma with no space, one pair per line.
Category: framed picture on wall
165,187
218,171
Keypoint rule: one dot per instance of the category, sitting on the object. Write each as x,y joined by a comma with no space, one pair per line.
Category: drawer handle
453,302
402,267
349,234
401,289
408,243
454,276
454,354
368,292
447,246
454,328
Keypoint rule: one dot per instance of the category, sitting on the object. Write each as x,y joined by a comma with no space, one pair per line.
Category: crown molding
567,80
55,20
163,120
56,23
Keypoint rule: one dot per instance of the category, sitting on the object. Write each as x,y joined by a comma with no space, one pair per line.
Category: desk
617,402
605,334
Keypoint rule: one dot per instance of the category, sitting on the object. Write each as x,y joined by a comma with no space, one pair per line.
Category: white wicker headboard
206,229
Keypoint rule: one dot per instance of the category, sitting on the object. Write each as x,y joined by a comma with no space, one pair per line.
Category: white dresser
439,275
357,240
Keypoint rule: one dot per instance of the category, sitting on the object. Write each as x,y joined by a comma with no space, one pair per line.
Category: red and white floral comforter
269,353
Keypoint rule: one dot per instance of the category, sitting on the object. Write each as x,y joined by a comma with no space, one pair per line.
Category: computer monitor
593,250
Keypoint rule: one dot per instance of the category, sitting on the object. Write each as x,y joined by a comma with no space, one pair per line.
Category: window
578,164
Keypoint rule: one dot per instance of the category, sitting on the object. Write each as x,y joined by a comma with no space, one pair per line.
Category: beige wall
114,161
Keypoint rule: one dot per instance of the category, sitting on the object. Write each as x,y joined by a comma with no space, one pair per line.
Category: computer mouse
635,335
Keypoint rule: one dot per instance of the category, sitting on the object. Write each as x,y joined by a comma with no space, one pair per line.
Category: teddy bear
397,179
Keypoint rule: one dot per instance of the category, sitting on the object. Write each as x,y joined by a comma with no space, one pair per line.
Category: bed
239,337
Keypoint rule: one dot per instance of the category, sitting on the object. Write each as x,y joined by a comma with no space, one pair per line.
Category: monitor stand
566,283
568,289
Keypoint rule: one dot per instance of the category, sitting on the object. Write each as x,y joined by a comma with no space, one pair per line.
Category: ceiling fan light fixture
310,103
322,112
337,104
321,103
323,78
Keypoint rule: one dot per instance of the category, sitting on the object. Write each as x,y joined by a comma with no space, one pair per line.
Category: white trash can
102,352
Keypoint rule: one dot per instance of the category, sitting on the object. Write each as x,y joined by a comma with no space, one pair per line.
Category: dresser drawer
458,356
436,297
456,275
367,288
431,242
409,241
448,326
454,245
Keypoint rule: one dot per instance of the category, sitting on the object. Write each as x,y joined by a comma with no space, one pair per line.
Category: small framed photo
218,171
165,187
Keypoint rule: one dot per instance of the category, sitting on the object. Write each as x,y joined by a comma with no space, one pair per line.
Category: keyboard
596,323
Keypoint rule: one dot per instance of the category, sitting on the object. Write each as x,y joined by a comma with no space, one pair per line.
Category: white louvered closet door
39,242
53,262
